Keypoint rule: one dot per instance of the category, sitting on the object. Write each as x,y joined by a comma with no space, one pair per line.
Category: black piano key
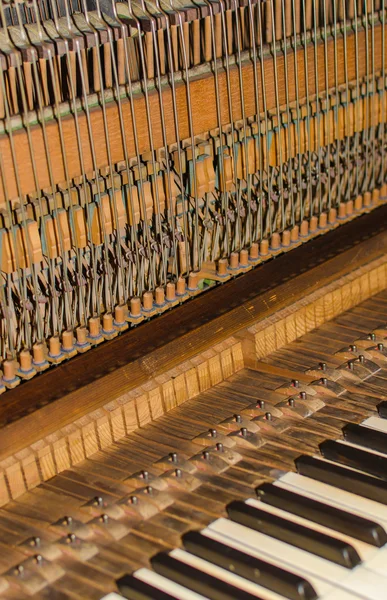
365,436
342,478
382,409
254,569
356,458
136,589
330,516
196,580
292,533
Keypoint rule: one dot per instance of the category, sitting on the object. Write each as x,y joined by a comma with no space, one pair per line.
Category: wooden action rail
202,94
141,375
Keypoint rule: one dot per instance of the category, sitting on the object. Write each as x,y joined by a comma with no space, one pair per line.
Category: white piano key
336,497
113,596
374,559
279,553
365,551
320,586
359,581
235,580
376,423
338,594
364,448
166,585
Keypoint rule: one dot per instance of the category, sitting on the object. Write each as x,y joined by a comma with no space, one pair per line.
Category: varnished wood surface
114,474
204,115
58,397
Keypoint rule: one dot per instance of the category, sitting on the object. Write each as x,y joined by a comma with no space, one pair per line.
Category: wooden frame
202,90
63,416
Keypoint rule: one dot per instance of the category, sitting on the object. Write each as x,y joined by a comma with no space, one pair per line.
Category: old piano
193,308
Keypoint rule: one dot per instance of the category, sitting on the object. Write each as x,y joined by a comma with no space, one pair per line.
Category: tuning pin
193,282
135,308
55,354
181,287
254,252
159,297
82,344
120,323
222,270
108,330
10,379
39,359
170,290
234,260
264,248
95,337
26,370
68,347
244,258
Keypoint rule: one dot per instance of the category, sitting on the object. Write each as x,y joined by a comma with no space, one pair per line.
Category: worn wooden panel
204,112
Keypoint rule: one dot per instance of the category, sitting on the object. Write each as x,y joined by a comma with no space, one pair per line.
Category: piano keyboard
308,535
270,485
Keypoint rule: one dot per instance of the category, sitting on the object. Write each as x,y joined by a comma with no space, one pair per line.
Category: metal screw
19,569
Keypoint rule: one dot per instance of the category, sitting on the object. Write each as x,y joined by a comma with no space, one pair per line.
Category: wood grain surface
204,115
57,398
